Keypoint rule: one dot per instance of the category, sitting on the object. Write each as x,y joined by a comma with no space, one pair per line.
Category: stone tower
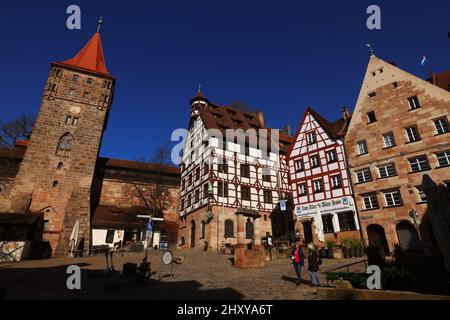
56,174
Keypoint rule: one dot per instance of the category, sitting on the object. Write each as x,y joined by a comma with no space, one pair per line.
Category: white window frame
385,168
331,156
311,137
363,172
389,196
336,181
389,140
372,200
302,189
412,103
362,147
316,183
419,161
421,194
441,125
315,161
444,155
413,132
302,165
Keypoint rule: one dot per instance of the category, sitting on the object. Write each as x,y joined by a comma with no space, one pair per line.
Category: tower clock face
75,109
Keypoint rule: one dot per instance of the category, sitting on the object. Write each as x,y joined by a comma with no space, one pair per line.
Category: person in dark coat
314,261
298,261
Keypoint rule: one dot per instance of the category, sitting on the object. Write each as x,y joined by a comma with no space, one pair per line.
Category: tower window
86,95
75,78
71,92
60,165
55,184
65,145
89,81
71,121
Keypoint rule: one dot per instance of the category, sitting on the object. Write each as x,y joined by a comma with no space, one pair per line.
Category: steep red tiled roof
225,117
336,129
90,58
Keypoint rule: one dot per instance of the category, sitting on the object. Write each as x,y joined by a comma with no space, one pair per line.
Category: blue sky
277,56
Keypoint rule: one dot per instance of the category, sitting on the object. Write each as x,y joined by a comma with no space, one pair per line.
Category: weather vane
371,49
100,22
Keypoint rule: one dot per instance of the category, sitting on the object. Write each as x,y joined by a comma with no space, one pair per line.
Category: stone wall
390,88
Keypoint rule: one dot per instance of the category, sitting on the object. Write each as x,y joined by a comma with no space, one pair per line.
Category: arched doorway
192,234
377,238
407,236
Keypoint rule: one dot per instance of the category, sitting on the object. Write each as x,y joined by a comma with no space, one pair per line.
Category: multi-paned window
266,177
299,165
182,204
414,103
183,185
336,181
421,193
362,147
197,173
331,156
387,170
327,222
302,190
245,193
197,195
311,137
419,163
443,158
392,198
245,170
389,140
267,196
315,161
71,121
189,200
222,167
318,186
347,221
413,134
222,189
363,175
370,201
441,125
205,190
205,167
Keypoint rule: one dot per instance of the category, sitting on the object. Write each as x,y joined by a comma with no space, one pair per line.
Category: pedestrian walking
314,261
298,260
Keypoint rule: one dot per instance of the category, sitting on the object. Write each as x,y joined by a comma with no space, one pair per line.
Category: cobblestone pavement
202,275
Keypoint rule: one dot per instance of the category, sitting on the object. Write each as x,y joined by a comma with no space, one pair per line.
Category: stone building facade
57,166
399,131
230,191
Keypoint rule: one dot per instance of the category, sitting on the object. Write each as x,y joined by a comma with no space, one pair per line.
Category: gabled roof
336,130
90,58
226,117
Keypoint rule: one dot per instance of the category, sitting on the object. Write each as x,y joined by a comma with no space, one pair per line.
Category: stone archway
407,235
377,238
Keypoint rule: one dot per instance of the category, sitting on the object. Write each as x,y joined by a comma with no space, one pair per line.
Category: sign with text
325,206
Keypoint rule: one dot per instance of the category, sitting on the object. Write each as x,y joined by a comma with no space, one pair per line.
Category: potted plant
351,248
359,247
330,248
345,247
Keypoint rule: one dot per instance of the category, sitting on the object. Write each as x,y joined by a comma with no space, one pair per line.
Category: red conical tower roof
90,57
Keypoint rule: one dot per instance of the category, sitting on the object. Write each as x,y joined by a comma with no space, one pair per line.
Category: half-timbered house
231,191
320,182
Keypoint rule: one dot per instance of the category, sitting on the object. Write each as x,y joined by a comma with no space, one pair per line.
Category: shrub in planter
359,247
330,248
346,248
323,252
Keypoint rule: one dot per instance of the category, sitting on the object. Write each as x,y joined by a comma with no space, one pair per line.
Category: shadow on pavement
294,280
50,283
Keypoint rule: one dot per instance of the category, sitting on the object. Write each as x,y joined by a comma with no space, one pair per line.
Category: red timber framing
318,170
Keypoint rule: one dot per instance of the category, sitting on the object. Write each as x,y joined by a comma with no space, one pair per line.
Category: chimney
345,113
260,116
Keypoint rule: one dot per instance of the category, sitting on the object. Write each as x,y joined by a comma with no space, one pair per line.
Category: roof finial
199,87
100,22
372,53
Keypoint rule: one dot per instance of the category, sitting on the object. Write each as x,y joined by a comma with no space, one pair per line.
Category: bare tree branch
18,129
